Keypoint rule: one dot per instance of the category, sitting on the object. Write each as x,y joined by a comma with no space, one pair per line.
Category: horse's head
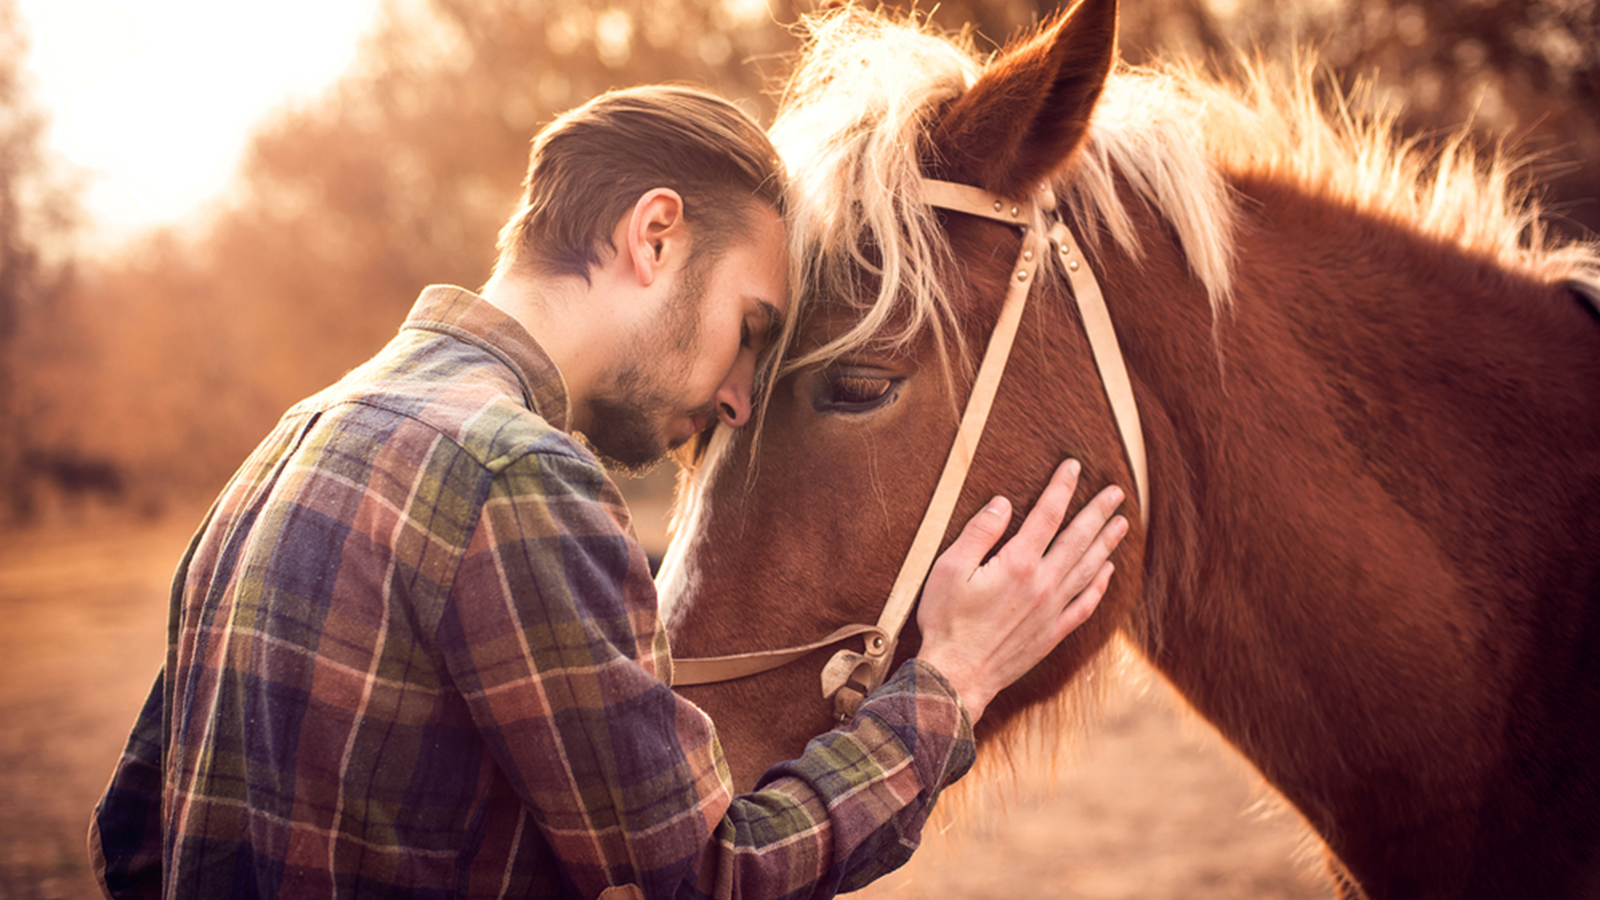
799,527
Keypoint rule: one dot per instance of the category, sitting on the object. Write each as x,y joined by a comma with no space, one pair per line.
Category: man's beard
625,428
627,416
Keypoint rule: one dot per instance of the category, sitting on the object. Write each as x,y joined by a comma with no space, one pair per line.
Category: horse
1366,549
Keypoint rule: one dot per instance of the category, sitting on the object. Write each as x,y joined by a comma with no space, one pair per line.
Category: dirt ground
1155,806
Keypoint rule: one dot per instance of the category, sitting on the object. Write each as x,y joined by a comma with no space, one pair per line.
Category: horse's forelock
851,129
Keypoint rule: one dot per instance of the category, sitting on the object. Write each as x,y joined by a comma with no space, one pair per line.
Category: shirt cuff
922,708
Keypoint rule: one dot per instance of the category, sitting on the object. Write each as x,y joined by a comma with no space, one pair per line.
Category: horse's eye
853,392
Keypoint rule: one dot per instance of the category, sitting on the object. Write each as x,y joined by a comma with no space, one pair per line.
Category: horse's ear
1030,110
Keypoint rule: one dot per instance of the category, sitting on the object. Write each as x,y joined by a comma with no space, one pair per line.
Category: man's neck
546,306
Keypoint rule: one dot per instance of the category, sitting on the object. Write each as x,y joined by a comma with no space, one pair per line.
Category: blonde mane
849,128
851,123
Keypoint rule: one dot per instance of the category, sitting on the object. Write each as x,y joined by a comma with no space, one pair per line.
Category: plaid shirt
414,651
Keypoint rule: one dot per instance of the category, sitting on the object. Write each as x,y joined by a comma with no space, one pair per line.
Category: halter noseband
849,676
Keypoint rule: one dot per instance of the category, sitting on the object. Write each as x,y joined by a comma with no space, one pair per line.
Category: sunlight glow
157,97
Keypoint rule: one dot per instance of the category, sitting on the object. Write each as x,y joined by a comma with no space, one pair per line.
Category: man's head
663,207
593,163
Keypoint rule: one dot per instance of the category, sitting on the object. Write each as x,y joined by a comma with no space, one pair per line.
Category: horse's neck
1345,472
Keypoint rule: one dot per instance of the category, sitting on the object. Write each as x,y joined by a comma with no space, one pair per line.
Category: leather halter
849,676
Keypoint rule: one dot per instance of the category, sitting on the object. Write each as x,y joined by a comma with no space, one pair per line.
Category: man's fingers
1083,605
1044,520
1090,523
977,537
1041,534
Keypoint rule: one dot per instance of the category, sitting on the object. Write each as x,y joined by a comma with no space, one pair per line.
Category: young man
414,649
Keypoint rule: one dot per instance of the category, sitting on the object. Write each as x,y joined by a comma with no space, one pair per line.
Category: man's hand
985,624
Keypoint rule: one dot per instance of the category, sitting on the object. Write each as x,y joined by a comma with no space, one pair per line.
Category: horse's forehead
828,316
832,311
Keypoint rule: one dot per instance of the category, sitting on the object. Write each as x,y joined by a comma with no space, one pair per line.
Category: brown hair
591,164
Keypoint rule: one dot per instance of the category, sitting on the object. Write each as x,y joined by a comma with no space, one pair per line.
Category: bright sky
156,97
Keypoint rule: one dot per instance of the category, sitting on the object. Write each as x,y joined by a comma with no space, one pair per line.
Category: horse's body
1372,553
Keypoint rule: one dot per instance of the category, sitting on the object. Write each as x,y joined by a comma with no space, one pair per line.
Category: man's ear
655,236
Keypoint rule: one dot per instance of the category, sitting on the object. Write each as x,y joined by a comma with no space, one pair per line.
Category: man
414,649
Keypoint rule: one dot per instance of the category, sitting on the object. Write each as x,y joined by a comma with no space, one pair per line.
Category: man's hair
593,163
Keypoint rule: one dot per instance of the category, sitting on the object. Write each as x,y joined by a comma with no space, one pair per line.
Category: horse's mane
851,129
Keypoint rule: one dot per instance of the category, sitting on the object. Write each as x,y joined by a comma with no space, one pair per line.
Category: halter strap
1107,353
849,676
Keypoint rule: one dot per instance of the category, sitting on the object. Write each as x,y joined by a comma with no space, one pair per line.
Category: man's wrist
961,680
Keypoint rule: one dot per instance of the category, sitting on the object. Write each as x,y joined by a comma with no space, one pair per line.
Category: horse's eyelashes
852,392
855,389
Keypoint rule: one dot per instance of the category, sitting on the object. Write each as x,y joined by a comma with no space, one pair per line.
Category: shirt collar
467,316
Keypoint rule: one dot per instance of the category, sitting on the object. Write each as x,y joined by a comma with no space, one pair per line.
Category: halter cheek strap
849,676
1091,302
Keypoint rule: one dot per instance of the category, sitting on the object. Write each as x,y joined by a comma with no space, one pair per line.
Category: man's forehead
771,237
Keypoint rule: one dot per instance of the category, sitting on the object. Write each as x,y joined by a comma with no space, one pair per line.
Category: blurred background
210,209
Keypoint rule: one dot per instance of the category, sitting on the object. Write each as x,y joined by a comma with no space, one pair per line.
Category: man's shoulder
490,429
439,389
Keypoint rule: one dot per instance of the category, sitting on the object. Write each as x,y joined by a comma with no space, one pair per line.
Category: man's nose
733,398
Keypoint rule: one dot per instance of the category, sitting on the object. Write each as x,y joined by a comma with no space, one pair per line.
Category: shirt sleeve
552,637
125,829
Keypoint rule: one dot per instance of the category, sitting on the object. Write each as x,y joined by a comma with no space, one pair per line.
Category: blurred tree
38,210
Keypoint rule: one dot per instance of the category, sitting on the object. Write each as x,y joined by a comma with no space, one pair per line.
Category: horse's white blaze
678,577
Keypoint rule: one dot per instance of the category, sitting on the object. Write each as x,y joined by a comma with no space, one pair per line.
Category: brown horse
1370,400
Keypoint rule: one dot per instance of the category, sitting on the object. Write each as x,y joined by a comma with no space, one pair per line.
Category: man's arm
624,778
